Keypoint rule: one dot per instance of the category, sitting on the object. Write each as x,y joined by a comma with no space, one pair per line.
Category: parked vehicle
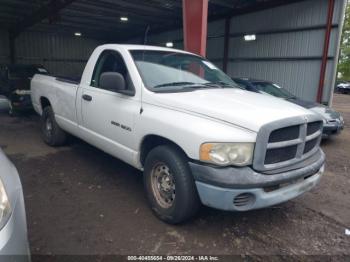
177,117
343,87
333,122
13,226
15,85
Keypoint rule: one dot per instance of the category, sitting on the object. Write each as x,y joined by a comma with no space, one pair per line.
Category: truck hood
303,103
238,107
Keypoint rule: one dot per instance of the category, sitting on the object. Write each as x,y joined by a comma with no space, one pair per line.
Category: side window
110,61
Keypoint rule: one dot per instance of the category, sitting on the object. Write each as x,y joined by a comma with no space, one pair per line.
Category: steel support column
325,50
12,48
195,24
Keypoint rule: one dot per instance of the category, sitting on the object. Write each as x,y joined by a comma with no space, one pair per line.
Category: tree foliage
344,61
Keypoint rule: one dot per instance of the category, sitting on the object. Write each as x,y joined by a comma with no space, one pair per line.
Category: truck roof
144,47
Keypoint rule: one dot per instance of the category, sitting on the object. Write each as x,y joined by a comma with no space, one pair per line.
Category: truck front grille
282,154
313,127
286,133
309,145
279,146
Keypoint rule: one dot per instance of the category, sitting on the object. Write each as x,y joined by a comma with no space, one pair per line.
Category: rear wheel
52,134
169,185
12,112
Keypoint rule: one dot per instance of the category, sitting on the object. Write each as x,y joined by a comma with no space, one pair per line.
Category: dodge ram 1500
183,122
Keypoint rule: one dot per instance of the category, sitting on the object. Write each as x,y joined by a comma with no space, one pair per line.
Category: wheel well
152,141
44,102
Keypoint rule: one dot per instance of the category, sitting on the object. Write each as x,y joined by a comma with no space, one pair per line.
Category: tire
12,112
171,162
52,134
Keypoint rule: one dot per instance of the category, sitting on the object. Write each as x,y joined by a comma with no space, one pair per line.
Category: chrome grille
284,143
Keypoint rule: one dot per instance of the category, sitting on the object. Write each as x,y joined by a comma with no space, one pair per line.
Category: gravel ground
80,200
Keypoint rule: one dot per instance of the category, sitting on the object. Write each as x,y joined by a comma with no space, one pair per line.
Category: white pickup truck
197,137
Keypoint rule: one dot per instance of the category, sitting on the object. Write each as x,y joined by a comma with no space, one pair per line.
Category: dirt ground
80,200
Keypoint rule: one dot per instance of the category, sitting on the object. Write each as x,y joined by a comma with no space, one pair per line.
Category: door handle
87,97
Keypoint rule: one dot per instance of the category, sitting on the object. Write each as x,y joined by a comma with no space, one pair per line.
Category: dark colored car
333,122
343,87
15,85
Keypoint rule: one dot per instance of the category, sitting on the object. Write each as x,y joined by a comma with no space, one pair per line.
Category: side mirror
112,81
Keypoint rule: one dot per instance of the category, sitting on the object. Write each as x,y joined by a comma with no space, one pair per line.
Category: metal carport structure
297,41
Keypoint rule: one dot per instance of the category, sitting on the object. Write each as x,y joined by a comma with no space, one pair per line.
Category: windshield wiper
212,84
224,84
190,85
175,84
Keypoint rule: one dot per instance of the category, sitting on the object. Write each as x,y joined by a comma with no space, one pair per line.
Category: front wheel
169,185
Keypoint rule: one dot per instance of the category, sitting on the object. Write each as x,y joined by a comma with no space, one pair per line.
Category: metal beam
195,23
168,5
109,21
69,29
13,9
144,7
97,26
110,11
48,11
12,49
225,3
328,32
24,6
246,8
129,7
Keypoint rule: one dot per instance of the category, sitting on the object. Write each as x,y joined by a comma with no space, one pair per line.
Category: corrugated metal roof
101,19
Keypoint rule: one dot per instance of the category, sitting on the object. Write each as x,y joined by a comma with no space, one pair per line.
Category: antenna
145,39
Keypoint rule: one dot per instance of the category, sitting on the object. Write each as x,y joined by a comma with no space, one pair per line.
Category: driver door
108,117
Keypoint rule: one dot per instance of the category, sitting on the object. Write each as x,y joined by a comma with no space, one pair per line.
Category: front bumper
344,89
13,236
332,128
242,189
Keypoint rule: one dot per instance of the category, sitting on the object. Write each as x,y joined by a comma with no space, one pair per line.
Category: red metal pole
325,50
195,24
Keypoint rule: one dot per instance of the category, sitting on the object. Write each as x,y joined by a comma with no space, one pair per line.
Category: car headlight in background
5,207
225,154
22,92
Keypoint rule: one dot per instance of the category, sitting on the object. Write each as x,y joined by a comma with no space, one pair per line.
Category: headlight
22,92
5,208
225,154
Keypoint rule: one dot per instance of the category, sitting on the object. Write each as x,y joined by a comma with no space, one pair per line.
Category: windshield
167,71
26,71
273,89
